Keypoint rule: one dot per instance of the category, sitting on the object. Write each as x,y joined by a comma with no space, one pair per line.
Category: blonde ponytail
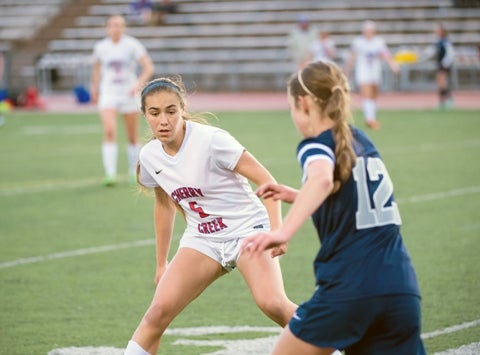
328,86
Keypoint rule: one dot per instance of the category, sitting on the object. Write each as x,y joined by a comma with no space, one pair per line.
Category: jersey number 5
372,210
198,209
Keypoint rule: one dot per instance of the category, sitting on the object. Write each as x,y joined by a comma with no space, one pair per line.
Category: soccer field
77,259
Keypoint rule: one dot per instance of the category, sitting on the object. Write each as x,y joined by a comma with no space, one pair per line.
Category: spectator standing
115,87
366,56
299,41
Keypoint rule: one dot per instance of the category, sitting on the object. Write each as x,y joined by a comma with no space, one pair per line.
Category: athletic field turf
77,259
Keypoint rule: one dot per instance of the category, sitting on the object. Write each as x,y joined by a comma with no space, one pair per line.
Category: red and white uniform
369,52
119,64
219,204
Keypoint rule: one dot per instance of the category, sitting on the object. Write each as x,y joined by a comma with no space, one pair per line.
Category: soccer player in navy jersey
367,299
444,57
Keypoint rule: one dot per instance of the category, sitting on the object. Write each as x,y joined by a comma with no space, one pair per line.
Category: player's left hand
257,243
135,89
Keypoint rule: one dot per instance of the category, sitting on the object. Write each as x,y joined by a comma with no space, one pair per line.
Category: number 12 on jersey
372,210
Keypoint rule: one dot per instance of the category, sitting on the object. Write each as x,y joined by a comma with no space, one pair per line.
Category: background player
367,299
203,171
444,57
114,85
367,53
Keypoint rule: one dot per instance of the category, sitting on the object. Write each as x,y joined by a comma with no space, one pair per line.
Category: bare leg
186,277
131,126
109,122
264,278
369,93
442,78
133,149
288,344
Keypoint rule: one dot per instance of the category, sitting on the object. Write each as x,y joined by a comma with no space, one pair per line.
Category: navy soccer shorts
383,325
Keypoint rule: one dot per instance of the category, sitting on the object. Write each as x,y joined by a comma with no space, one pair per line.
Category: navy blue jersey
444,55
362,253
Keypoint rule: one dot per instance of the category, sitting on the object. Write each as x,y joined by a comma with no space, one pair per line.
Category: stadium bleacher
241,45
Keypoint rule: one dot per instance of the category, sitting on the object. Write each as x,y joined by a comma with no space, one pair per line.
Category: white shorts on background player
125,103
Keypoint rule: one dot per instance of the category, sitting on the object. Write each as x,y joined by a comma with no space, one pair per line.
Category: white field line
440,195
78,252
113,247
452,329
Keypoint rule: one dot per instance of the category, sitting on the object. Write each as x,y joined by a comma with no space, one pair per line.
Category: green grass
52,201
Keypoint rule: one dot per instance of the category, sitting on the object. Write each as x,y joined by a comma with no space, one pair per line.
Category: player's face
299,118
115,27
164,114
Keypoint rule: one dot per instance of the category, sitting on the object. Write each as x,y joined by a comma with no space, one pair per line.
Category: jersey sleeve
310,150
146,179
139,49
225,150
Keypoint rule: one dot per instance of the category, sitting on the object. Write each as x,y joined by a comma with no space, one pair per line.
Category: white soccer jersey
368,67
218,202
118,63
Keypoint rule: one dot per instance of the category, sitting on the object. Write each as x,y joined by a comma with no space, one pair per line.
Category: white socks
132,154
134,349
369,109
109,157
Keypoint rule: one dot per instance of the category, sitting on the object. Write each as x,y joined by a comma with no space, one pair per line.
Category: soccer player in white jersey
115,86
203,172
367,53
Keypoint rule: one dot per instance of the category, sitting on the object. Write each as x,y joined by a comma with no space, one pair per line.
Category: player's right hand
277,192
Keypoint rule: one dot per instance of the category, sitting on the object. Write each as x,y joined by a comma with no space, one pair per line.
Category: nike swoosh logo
295,316
158,171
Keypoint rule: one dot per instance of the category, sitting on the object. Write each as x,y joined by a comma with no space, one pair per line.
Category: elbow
327,185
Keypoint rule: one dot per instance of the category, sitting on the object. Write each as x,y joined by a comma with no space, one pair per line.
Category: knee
279,309
159,315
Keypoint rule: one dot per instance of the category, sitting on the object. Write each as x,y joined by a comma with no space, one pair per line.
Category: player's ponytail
344,155
328,86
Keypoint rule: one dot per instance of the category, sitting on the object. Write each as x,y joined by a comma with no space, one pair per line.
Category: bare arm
164,217
95,81
254,171
313,193
387,57
147,71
